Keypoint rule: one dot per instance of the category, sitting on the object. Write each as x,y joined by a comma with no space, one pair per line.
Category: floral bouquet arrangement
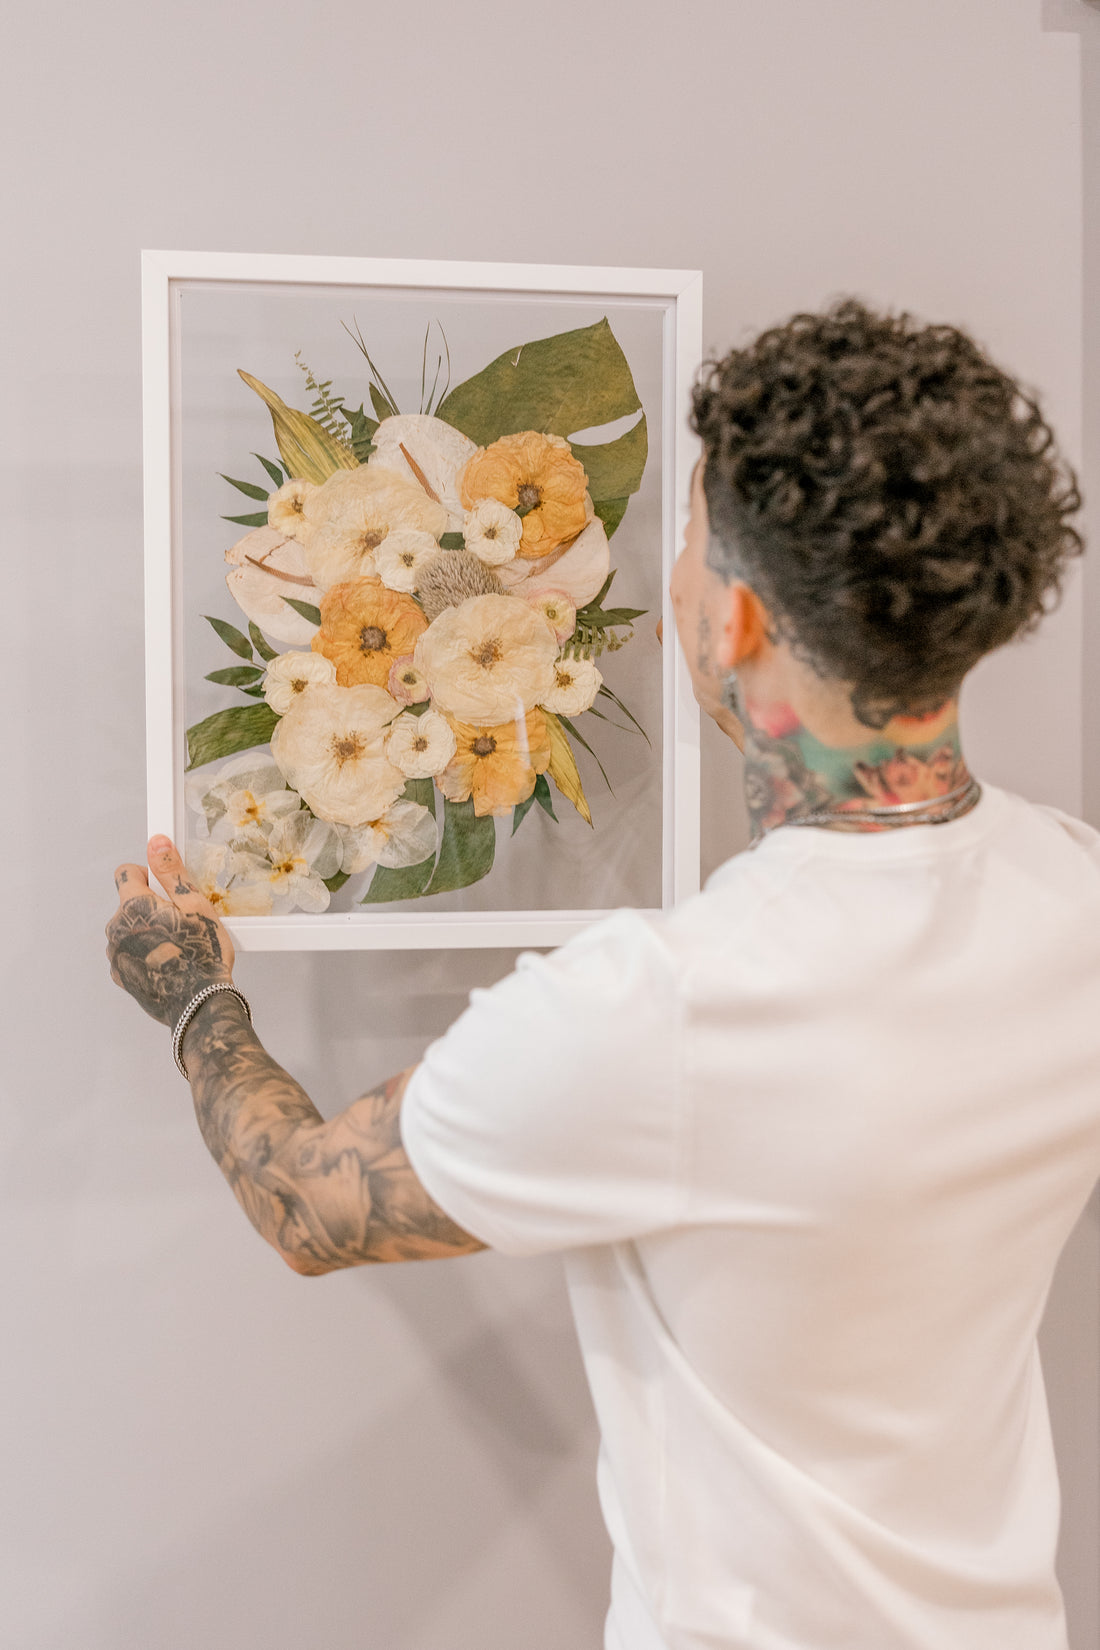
424,595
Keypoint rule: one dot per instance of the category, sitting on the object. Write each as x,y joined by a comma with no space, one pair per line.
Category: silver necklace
936,811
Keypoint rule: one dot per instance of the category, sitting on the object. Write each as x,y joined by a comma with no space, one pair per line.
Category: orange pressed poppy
364,628
538,477
496,766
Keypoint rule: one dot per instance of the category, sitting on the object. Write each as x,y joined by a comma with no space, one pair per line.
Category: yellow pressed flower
496,766
365,628
538,477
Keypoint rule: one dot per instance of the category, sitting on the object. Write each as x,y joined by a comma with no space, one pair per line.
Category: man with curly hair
812,1143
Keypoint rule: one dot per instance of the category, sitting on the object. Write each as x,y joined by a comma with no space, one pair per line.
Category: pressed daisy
401,555
303,852
576,684
487,660
421,746
492,531
537,476
330,747
266,567
556,608
285,508
248,792
293,673
405,683
350,516
417,447
404,835
217,875
364,628
497,766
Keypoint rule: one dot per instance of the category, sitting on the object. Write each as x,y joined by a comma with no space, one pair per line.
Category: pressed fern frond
327,408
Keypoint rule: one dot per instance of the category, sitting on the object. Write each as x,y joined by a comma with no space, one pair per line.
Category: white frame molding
164,274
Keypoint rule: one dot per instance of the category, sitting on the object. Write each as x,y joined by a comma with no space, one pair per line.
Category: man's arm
325,1195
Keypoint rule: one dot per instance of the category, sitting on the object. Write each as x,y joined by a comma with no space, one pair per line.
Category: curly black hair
895,499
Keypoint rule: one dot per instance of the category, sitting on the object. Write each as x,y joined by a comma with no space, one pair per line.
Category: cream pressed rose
489,660
285,508
330,747
421,746
417,447
294,673
492,531
400,556
350,516
576,684
404,835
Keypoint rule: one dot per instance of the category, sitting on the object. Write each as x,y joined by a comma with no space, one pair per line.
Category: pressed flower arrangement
425,604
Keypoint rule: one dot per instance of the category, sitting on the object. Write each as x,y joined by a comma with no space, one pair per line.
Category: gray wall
198,1448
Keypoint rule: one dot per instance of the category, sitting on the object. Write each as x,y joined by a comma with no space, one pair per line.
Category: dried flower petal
489,660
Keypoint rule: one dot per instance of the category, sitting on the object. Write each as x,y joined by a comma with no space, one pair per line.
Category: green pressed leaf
249,488
466,852
408,883
241,645
335,882
541,795
229,731
452,541
258,520
422,791
581,740
381,406
254,692
272,469
362,429
235,676
258,642
615,700
313,614
520,812
615,468
305,447
610,511
572,381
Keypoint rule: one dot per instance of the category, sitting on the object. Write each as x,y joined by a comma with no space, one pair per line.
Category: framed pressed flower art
409,528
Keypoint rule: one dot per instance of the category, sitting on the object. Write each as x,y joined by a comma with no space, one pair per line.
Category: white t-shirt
813,1143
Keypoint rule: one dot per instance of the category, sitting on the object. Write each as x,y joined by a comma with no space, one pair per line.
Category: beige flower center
484,745
346,749
564,678
296,504
420,743
372,639
410,677
490,532
408,557
490,653
370,540
298,684
528,496
285,867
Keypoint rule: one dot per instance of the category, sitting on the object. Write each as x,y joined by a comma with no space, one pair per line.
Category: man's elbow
306,1266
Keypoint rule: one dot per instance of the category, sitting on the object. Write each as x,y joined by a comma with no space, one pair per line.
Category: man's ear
745,632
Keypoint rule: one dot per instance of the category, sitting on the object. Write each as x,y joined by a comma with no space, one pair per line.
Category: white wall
199,1449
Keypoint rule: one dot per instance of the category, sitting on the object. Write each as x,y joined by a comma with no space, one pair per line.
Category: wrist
209,998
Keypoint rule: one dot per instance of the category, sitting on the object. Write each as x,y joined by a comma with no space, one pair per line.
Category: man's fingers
131,881
172,874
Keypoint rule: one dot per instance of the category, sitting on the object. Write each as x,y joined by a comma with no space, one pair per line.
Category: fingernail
160,846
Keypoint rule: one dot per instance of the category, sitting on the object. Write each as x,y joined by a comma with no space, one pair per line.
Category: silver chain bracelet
192,1009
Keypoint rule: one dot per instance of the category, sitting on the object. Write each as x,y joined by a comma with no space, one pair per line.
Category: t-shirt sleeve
548,1116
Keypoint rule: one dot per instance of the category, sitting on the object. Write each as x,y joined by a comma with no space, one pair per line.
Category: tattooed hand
164,950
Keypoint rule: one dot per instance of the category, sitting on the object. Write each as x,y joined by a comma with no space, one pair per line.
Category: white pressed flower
556,608
404,835
576,684
285,508
266,567
489,660
351,514
293,673
330,748
303,852
217,875
492,531
421,746
578,572
400,556
412,442
247,793
406,683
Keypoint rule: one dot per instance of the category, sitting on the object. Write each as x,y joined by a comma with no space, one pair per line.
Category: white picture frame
167,277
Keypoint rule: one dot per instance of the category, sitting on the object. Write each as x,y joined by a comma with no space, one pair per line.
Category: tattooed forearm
326,1195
